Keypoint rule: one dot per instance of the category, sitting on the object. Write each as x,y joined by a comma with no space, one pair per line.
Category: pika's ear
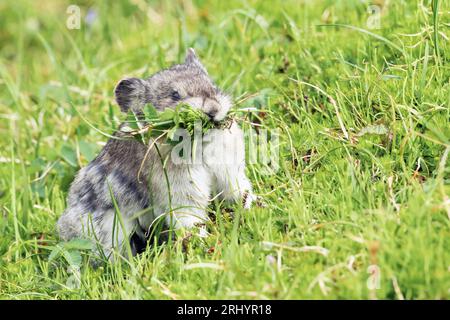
130,94
192,59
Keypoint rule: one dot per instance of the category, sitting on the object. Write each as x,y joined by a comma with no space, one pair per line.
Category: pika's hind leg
104,229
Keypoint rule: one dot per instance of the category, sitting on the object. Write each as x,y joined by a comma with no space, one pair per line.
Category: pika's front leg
232,185
184,206
224,155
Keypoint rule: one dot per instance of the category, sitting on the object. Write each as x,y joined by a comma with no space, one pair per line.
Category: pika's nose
212,109
211,113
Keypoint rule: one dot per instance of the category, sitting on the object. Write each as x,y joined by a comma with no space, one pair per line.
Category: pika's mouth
211,115
215,117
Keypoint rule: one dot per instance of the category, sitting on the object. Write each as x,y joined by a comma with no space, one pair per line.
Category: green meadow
359,92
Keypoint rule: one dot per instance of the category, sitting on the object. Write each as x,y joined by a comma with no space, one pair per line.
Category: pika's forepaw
202,232
247,199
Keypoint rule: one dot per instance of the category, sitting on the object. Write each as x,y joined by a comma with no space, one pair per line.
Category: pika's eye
175,95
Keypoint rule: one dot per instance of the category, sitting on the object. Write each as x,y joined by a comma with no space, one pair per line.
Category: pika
129,176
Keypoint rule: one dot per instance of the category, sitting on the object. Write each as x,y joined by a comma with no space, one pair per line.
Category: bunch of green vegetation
153,125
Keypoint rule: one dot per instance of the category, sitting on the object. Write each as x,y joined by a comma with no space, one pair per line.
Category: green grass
364,158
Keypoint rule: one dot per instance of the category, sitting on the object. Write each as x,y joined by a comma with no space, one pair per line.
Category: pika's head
182,83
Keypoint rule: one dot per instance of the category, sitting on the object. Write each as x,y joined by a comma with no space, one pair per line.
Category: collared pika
113,174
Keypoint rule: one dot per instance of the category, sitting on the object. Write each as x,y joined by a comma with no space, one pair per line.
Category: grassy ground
364,157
